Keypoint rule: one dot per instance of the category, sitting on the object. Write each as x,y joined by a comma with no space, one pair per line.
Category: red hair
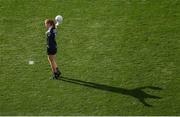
50,22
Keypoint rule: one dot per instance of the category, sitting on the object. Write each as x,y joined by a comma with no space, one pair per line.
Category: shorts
51,51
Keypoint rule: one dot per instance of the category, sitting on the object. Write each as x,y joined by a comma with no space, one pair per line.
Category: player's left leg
52,68
49,59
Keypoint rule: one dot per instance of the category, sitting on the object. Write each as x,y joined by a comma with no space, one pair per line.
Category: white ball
59,19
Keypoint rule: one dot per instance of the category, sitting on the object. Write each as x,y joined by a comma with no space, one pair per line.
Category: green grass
108,48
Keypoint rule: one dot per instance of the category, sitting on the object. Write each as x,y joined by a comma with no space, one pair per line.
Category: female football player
52,47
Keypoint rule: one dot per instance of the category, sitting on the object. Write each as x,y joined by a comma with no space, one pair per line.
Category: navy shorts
51,51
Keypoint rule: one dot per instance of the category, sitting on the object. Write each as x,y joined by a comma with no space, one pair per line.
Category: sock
56,75
58,71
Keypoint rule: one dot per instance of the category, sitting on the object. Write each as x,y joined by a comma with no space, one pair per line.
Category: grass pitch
118,57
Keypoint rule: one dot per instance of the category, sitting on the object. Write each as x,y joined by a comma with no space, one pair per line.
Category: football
58,19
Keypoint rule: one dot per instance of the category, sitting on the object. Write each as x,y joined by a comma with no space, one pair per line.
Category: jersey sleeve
51,35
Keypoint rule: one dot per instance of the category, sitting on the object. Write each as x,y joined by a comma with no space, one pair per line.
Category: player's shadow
137,93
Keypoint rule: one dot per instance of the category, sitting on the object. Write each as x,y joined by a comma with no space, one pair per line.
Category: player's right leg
57,72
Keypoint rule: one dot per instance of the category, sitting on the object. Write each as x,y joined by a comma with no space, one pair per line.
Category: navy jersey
51,38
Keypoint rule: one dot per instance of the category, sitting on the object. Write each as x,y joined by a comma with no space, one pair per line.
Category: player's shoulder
53,30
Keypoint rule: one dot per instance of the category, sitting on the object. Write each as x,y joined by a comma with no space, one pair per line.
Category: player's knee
50,58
